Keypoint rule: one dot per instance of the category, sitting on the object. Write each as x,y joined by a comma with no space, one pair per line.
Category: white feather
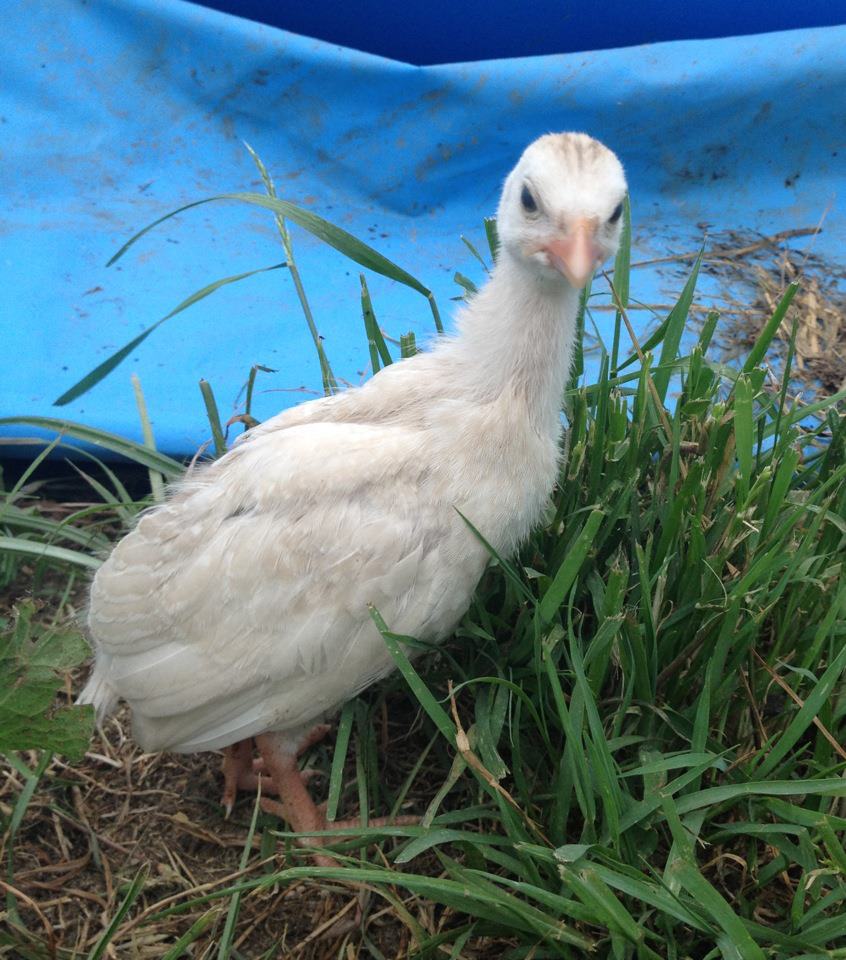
241,605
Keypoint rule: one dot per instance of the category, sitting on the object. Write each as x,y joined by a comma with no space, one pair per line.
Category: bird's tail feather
99,693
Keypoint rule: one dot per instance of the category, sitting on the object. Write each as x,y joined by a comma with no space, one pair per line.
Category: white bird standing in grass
239,608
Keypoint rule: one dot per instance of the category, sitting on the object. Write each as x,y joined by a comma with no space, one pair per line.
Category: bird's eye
618,212
528,200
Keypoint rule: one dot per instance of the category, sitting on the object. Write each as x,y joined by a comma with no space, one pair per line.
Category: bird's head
561,208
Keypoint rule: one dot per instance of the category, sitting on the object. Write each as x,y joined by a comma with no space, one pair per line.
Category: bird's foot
237,764
242,772
296,806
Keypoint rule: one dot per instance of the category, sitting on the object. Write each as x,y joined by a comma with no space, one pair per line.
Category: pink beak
577,254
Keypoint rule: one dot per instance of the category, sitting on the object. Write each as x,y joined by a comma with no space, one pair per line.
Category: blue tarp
114,113
443,31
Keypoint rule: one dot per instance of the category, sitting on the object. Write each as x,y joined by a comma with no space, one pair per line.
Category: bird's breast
499,470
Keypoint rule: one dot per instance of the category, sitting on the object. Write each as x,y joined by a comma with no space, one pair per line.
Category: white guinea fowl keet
239,608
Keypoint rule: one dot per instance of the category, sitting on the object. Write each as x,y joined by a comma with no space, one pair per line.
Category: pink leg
237,762
295,804
242,772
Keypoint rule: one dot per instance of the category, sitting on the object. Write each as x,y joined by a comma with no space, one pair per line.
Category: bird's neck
517,335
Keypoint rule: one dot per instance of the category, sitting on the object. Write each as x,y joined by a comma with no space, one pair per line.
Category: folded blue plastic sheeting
443,31
115,113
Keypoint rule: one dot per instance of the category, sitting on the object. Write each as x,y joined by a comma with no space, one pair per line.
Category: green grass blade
339,758
156,479
102,370
192,934
213,417
814,702
674,330
827,787
743,435
342,241
48,530
45,551
225,948
467,243
622,276
424,696
466,284
709,899
492,236
132,894
507,567
11,495
105,441
593,892
765,338
408,345
380,355
708,329
330,384
570,567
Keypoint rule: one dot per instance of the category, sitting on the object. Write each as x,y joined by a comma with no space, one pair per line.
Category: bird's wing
241,604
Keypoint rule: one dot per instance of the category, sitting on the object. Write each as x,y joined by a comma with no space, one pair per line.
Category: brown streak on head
577,149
